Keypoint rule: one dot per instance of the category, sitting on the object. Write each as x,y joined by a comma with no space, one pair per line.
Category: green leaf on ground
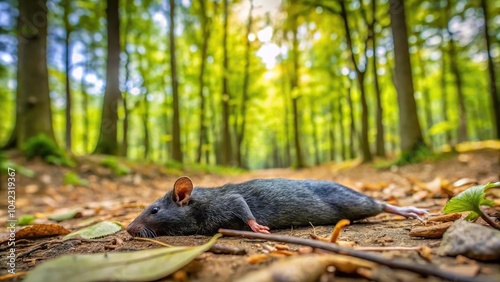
26,219
470,200
146,265
64,216
100,229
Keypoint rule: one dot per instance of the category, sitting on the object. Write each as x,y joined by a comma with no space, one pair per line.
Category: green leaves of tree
471,200
143,265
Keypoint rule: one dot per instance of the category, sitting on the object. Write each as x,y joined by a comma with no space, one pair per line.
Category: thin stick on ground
417,268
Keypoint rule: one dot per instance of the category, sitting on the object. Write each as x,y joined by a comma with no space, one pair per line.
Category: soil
121,199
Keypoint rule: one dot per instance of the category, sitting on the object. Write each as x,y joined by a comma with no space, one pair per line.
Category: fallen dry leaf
465,181
470,270
378,186
426,253
433,231
445,217
420,195
281,247
41,230
258,258
337,229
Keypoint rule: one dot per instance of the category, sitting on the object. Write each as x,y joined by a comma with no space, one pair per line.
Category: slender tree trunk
409,126
85,110
240,134
343,151
443,83
67,62
126,111
108,139
295,93
331,127
425,95
455,70
380,139
227,150
495,96
33,106
314,133
286,114
360,76
176,127
201,81
353,133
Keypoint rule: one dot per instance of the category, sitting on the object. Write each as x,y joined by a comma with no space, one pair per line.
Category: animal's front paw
406,211
257,227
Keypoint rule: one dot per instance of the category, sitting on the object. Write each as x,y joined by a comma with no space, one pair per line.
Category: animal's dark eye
155,210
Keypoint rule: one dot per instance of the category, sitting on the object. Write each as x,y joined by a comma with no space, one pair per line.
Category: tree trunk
126,111
295,95
67,62
108,139
314,132
227,150
176,128
343,150
331,127
495,96
353,133
444,84
409,127
33,106
205,28
455,70
380,139
85,110
360,76
240,134
425,94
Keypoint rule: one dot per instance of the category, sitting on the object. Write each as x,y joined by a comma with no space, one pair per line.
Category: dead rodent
259,205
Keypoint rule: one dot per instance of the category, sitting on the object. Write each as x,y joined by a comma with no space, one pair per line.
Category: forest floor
122,198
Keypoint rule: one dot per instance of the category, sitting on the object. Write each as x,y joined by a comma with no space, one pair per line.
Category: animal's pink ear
183,188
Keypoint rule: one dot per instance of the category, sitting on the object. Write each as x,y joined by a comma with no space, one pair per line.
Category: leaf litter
121,198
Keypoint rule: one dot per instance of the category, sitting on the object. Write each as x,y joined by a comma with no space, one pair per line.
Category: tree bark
409,126
353,133
67,62
176,128
205,28
360,76
108,139
33,106
240,134
380,139
126,111
495,96
227,150
455,70
295,95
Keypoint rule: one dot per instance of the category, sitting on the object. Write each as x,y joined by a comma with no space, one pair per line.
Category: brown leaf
426,253
337,229
281,247
420,195
464,181
470,270
41,230
258,258
433,231
445,217
378,186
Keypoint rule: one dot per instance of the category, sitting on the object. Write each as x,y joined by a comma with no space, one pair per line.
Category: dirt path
121,199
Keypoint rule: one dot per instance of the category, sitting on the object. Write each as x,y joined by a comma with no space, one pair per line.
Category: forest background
249,83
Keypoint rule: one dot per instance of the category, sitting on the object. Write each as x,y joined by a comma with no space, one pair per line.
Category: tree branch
428,269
